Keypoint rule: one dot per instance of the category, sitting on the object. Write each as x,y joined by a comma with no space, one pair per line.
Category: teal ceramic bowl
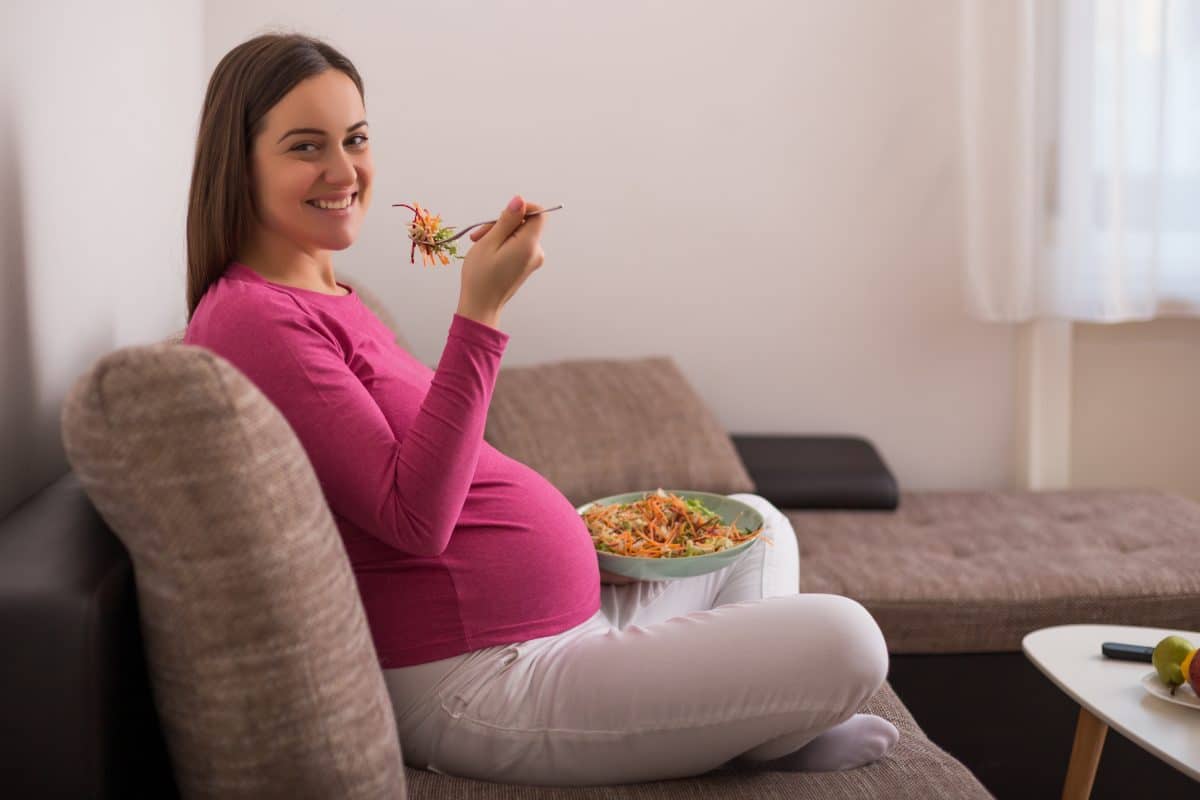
665,569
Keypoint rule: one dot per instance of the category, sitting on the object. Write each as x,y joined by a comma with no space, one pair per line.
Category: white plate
1184,695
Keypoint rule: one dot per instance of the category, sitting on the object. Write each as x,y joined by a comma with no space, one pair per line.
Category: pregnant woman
507,654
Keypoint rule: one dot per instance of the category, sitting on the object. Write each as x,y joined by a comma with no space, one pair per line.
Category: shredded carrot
427,233
663,525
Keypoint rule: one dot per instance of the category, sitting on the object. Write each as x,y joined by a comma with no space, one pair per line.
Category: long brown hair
248,82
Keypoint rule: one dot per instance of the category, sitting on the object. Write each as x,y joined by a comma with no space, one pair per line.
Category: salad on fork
427,233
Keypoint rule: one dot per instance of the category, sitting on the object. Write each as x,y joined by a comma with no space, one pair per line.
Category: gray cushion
262,667
596,427
970,571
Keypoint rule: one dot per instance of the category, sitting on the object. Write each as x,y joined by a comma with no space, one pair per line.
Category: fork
485,222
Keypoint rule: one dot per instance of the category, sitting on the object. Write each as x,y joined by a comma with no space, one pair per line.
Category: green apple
1168,656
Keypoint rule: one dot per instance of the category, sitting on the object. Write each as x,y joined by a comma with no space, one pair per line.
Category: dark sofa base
1013,728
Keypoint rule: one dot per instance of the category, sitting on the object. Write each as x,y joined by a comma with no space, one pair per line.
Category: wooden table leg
1090,731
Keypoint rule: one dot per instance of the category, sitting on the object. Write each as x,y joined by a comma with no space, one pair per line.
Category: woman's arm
405,486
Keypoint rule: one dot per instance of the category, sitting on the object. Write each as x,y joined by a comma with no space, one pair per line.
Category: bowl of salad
663,535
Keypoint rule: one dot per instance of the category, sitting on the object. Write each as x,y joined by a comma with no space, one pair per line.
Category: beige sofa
155,434
228,608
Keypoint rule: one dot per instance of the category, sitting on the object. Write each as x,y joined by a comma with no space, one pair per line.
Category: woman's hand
611,577
504,255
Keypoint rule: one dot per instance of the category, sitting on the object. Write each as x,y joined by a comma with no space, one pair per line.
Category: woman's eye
310,144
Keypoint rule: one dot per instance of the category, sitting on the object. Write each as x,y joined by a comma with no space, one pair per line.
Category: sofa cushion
818,470
917,768
263,670
597,427
974,571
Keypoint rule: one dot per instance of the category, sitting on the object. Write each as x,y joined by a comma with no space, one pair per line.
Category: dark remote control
1128,652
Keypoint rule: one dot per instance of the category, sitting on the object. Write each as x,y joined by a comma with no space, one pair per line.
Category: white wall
98,108
769,192
1136,389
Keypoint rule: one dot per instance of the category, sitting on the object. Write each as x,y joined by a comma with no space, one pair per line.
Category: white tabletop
1070,656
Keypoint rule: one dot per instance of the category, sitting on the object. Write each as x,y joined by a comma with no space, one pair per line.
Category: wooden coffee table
1110,694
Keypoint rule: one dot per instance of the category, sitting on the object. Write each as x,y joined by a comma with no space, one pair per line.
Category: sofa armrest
79,717
830,472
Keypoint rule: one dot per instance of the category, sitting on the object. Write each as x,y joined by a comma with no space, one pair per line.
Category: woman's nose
341,170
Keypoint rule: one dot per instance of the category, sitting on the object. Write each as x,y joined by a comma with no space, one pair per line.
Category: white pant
668,679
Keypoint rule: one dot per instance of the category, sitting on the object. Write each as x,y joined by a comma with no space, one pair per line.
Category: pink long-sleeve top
454,545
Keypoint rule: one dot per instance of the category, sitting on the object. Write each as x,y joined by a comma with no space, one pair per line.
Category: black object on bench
831,472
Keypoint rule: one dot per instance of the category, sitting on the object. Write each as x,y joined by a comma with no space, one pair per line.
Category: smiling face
313,145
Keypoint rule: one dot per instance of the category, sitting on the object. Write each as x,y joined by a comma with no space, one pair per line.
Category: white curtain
1081,134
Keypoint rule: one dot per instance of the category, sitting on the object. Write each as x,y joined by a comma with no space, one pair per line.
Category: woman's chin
335,241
